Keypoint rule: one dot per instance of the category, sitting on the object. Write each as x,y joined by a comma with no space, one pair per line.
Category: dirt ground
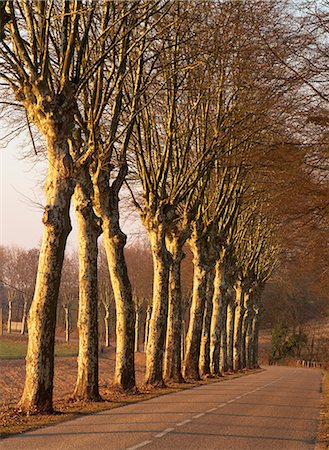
12,374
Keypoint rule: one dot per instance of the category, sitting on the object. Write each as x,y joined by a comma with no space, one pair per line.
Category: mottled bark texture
107,318
137,325
172,361
157,329
255,333
193,337
245,326
239,313
204,360
249,343
230,332
24,318
147,326
10,313
217,319
86,387
223,360
106,204
66,308
38,388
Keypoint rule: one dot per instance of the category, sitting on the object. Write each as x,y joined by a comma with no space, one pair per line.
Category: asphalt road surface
274,409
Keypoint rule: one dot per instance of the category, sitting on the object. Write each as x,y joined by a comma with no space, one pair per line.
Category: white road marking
211,410
183,423
199,415
164,432
221,405
142,444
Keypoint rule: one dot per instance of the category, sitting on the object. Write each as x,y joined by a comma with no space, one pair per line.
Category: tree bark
38,389
106,203
147,326
239,313
223,359
107,318
246,325
86,387
255,332
230,332
172,361
10,313
67,322
137,326
204,362
193,337
157,330
24,317
217,319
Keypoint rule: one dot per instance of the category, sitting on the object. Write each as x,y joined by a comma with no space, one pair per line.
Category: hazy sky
22,198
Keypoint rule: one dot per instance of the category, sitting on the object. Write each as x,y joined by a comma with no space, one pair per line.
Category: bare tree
44,56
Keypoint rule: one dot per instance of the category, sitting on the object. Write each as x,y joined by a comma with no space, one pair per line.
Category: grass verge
11,348
12,421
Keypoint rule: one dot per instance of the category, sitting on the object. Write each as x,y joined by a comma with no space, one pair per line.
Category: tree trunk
223,359
249,341
137,326
157,330
217,319
86,387
245,329
239,313
106,203
10,314
38,389
230,332
115,241
67,322
255,332
204,362
24,317
172,361
193,337
147,326
183,336
107,318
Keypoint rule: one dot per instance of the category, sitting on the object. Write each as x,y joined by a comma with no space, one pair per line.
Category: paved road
275,409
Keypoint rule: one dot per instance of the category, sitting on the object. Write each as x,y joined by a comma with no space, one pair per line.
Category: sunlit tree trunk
255,338
217,319
239,313
249,342
147,326
88,232
66,308
24,317
10,315
137,324
157,329
38,389
173,362
230,332
204,362
107,319
183,335
193,337
106,203
245,328
223,359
